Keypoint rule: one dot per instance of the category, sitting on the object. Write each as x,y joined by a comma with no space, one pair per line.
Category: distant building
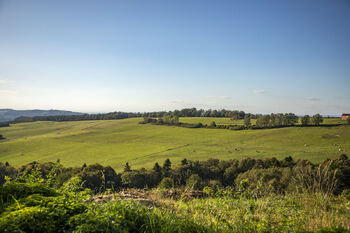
345,116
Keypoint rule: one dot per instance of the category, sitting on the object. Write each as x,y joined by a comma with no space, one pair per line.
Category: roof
346,114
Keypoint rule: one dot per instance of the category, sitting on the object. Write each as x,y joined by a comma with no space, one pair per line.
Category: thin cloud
259,92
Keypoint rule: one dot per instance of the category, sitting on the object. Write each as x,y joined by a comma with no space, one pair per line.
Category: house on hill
345,116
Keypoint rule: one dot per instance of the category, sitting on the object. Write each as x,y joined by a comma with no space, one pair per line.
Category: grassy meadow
114,142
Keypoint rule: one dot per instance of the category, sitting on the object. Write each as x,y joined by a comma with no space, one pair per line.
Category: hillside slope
10,114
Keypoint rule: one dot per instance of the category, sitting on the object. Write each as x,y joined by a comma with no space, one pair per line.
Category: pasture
115,142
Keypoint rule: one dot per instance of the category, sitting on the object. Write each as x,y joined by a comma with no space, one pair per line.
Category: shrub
194,182
29,219
166,183
15,190
133,179
268,180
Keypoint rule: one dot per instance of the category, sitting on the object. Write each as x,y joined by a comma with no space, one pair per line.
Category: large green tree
317,119
305,120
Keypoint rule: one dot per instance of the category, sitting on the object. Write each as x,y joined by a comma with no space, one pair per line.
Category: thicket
242,195
30,203
332,176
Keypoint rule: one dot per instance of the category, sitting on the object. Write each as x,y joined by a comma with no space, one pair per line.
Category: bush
133,179
265,181
166,183
194,182
29,219
14,190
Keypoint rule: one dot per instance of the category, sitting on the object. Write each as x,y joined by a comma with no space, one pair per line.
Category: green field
115,142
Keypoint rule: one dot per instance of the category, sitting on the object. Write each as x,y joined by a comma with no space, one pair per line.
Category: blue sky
101,56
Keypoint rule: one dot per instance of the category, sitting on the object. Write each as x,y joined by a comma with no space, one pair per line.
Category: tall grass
290,213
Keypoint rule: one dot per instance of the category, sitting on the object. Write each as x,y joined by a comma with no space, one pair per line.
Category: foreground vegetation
50,198
115,142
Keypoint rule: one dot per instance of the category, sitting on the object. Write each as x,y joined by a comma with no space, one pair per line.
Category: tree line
186,112
4,124
262,121
287,119
279,176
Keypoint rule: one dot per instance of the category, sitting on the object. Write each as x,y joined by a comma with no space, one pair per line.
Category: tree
290,119
184,162
166,183
263,121
1,137
166,168
247,122
127,167
213,124
157,168
167,164
317,119
133,179
194,182
305,120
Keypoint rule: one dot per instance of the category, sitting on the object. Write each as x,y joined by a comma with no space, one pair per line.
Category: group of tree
276,120
262,122
4,124
83,117
193,112
174,121
278,175
186,112
283,120
315,119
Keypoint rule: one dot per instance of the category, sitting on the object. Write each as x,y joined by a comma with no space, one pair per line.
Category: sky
258,56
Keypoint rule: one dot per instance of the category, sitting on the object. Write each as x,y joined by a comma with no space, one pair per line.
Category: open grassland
228,121
115,142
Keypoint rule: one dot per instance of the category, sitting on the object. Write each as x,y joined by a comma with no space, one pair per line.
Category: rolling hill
10,114
115,142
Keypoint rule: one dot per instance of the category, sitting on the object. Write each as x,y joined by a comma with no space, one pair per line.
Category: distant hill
10,114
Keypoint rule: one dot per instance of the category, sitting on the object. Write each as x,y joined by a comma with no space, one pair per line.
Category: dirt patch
134,195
